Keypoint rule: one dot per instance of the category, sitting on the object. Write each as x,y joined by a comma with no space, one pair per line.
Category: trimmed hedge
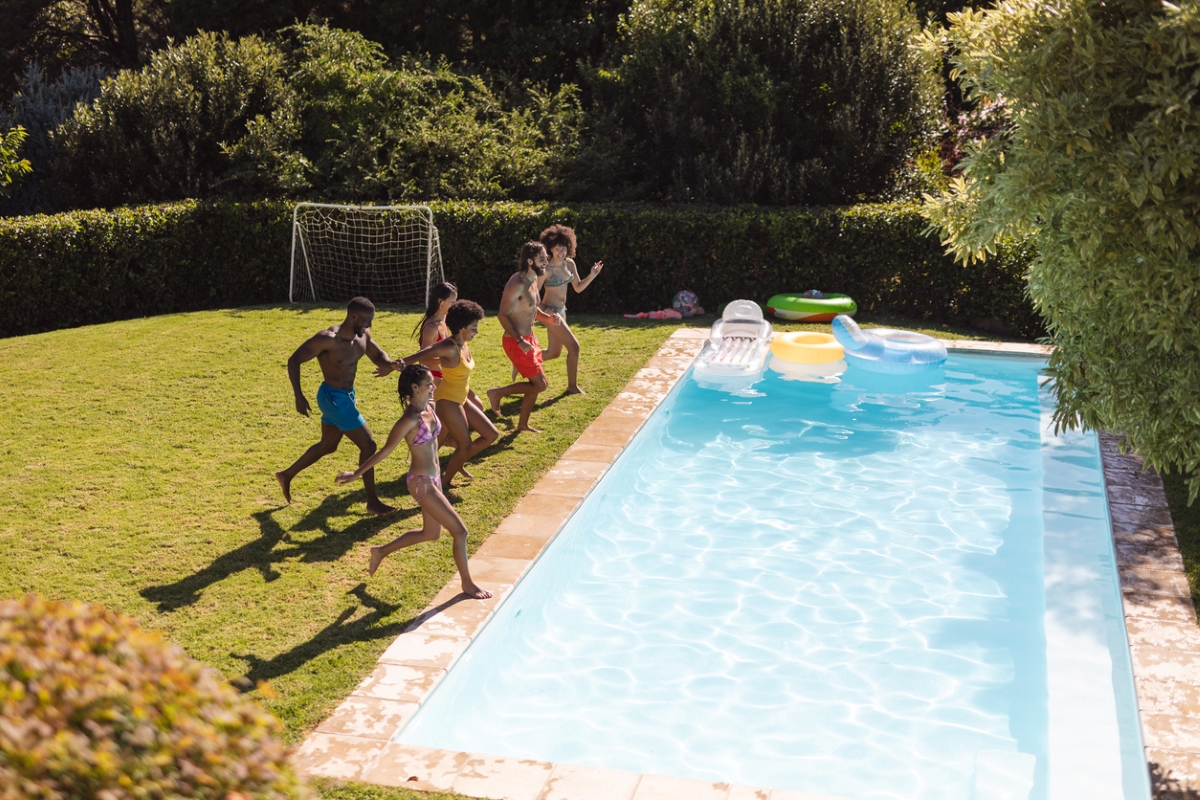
96,266
86,267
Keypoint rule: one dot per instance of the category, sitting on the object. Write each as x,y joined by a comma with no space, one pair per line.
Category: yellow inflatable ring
807,347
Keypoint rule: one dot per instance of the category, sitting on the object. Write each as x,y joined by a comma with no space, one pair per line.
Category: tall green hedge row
96,266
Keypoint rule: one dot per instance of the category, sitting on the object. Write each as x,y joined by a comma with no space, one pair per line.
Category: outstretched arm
318,344
383,364
444,349
579,284
399,431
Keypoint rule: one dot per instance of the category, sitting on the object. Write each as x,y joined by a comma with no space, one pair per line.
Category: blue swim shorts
338,408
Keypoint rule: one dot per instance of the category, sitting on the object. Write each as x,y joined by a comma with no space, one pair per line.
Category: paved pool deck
354,743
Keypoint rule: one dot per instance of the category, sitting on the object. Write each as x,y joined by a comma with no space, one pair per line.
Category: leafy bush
778,102
1099,165
93,706
180,127
40,105
96,266
12,166
413,131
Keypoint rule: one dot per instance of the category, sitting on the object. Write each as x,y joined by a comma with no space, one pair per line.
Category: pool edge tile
1160,618
574,782
504,777
336,756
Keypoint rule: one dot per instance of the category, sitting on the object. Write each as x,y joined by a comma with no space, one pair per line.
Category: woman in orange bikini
457,405
559,241
419,427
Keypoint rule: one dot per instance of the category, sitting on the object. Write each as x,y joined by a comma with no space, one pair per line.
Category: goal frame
432,234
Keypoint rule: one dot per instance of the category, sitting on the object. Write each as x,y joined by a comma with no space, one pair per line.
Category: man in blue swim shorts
338,349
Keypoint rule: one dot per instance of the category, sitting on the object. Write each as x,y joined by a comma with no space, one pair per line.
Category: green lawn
137,473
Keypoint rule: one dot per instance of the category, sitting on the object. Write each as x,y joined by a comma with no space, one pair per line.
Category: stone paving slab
355,742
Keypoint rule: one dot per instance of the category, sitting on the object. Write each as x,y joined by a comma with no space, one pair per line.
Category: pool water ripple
828,588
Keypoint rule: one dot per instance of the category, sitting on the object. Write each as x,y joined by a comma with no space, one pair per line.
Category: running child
419,427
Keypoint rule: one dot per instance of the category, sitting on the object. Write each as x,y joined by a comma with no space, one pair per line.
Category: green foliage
40,105
377,133
1098,165
93,706
99,266
96,266
12,166
183,126
779,102
537,41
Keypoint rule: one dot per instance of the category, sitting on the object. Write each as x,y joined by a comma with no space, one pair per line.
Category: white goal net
388,254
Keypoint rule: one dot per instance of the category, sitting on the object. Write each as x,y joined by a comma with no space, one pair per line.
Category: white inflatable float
738,343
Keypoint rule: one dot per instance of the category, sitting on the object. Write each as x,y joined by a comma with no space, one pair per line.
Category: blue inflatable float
886,350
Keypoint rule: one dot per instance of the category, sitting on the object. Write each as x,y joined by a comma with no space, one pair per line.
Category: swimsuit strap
424,434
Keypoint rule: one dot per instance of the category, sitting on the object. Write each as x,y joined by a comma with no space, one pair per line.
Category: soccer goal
388,254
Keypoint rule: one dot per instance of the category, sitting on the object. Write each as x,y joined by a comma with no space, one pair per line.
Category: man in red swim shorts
518,310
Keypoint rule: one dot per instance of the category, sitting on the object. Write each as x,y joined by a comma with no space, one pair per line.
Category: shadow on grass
264,553
334,635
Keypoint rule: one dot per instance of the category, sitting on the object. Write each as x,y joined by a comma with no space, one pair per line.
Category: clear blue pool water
878,588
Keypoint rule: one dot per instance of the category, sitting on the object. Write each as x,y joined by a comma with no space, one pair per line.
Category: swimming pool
842,589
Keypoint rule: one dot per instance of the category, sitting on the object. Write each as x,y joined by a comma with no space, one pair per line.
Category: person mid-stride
338,349
518,309
419,426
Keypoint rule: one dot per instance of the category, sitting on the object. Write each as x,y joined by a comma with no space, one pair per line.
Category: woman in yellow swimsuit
457,406
559,241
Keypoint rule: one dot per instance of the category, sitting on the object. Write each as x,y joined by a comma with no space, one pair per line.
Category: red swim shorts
528,364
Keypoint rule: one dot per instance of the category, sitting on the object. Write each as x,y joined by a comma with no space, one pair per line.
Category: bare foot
471,590
466,474
285,483
575,390
377,556
494,400
379,509
527,429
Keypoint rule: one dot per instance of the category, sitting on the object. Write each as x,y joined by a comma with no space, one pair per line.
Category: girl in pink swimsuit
419,427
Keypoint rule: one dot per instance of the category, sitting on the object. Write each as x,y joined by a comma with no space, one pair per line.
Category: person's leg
478,422
330,436
366,448
435,505
537,385
454,422
562,336
429,532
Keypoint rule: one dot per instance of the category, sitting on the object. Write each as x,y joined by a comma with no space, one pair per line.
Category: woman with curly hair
559,241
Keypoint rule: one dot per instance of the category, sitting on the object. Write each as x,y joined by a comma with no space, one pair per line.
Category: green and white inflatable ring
799,308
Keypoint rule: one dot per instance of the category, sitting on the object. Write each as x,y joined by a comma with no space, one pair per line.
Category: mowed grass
137,472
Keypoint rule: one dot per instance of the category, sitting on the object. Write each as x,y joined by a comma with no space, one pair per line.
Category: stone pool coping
354,742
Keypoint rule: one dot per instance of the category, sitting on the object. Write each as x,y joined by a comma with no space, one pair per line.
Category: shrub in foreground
91,705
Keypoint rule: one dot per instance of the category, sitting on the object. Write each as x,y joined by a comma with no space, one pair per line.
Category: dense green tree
379,131
529,40
776,101
191,123
40,105
12,166
1098,164
116,34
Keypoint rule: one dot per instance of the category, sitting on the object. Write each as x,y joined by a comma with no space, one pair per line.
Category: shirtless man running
518,309
338,349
